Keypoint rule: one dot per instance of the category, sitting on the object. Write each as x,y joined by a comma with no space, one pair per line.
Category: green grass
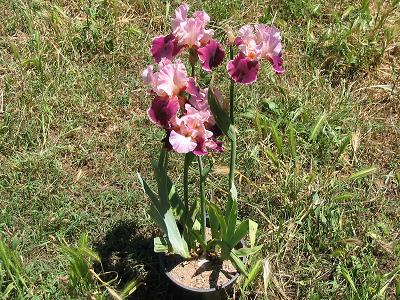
74,132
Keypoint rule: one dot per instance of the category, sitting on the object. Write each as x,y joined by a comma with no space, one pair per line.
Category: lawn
318,152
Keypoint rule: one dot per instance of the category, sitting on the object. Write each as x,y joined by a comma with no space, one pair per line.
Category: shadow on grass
127,250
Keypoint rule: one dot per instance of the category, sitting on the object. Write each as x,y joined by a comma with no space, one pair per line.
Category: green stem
193,70
163,174
231,90
188,160
232,164
202,199
231,98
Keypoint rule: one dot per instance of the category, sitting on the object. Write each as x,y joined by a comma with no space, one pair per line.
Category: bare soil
198,273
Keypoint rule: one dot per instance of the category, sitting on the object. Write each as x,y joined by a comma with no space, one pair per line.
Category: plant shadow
127,252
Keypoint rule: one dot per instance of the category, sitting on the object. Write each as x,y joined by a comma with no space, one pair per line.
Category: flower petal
202,15
193,89
243,70
162,110
164,46
148,75
277,63
215,145
211,55
171,79
191,32
180,16
181,143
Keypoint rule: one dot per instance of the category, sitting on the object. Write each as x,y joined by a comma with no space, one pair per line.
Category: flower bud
230,34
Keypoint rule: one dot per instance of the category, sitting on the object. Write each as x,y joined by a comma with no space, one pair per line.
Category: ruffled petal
180,16
171,79
203,16
148,75
243,70
211,55
181,143
270,46
193,89
162,110
215,145
164,47
277,63
191,32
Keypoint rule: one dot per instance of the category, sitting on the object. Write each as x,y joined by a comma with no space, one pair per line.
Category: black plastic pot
184,292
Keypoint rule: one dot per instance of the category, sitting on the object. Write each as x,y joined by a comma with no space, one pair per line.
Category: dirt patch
200,274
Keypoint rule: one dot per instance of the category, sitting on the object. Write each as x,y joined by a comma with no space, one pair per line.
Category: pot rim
197,290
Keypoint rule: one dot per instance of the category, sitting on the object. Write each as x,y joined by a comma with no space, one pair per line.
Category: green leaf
7,292
217,213
130,288
149,192
238,263
346,274
220,115
200,238
317,127
161,245
178,244
342,197
240,232
175,201
157,218
247,251
346,141
84,240
161,211
253,273
362,173
231,222
274,159
90,253
292,142
257,121
276,136
214,222
253,226
397,175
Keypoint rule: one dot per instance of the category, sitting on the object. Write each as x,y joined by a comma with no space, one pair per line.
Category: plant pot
184,292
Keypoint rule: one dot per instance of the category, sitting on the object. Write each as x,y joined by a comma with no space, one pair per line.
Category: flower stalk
203,215
188,160
232,164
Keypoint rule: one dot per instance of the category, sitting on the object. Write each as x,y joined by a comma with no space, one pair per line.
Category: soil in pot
200,273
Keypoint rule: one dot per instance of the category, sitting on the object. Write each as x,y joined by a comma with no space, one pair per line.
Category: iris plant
195,119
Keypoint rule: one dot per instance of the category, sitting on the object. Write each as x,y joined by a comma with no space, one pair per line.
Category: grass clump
74,132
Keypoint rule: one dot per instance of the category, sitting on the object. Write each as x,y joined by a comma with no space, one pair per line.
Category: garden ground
319,151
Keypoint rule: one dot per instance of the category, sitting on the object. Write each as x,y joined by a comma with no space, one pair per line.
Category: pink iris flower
211,55
162,110
191,32
255,43
242,69
199,101
189,133
170,79
164,46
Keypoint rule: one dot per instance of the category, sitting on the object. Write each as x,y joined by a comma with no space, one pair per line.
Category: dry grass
73,133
